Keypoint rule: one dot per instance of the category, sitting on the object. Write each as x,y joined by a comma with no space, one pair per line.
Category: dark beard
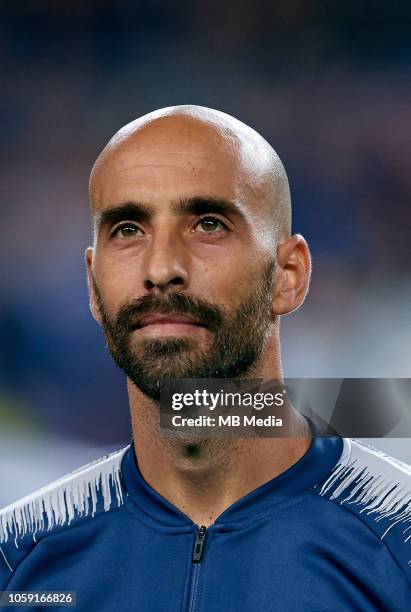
238,339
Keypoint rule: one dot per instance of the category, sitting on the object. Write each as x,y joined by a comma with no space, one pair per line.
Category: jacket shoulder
377,488
89,490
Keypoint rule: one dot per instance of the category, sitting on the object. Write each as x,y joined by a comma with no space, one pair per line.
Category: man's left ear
293,275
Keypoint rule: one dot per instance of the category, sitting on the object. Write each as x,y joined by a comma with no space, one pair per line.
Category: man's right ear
95,311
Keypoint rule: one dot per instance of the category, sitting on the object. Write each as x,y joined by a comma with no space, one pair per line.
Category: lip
166,319
163,325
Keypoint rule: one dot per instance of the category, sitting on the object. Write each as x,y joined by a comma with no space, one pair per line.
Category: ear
293,275
91,291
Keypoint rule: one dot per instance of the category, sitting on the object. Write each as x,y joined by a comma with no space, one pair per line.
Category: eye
126,230
210,225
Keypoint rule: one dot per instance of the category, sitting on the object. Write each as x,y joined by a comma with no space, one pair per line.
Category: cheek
227,283
117,285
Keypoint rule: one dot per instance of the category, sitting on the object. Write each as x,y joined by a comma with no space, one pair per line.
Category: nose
166,268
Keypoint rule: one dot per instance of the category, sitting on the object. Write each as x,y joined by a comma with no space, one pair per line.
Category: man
192,266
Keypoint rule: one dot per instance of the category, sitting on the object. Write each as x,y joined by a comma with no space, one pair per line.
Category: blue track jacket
332,533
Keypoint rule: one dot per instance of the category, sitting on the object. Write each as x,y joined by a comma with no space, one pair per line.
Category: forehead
168,162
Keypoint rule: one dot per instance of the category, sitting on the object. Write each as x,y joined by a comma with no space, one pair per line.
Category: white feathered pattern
381,484
59,502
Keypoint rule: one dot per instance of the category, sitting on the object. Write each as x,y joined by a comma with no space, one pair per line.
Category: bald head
199,140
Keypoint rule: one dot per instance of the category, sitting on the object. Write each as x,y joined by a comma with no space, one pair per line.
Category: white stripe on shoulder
59,502
5,559
380,484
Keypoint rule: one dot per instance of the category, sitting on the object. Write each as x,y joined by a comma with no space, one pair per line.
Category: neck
203,477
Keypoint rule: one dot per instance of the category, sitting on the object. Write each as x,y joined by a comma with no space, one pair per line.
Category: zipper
196,559
199,544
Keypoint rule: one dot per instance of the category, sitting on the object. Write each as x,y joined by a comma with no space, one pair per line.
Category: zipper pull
199,544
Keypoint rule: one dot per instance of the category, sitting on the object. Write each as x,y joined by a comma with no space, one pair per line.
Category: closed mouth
163,319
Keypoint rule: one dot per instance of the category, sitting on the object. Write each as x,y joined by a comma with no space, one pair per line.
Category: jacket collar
299,479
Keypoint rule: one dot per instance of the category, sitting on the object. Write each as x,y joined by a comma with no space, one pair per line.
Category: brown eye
209,225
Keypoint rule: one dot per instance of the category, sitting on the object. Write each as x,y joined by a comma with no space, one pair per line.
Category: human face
181,278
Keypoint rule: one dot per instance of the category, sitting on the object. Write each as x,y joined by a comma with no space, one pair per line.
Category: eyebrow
137,211
200,205
128,211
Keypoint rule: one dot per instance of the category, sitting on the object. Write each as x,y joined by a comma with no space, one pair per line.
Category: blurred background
328,84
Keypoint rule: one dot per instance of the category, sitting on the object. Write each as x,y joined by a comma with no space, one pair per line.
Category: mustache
206,314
